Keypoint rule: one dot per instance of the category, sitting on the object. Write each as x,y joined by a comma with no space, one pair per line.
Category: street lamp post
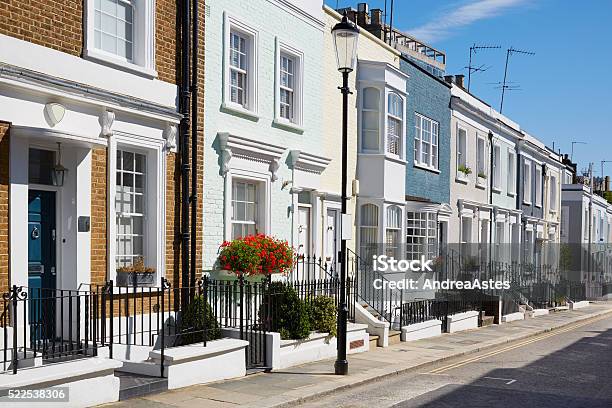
345,35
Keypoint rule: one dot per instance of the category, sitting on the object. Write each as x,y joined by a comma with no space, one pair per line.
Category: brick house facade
109,103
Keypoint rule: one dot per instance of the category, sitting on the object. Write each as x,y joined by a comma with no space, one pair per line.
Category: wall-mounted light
54,113
59,171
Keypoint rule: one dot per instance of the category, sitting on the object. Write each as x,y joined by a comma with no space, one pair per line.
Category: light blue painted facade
429,97
301,28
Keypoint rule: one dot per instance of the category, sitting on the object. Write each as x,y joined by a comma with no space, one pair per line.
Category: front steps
137,385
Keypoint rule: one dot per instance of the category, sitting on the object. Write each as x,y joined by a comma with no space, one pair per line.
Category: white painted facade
35,76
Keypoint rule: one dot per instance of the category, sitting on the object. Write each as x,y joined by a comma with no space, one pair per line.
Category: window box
135,278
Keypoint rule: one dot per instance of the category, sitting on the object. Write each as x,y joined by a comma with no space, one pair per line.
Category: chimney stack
363,14
607,183
459,80
449,79
377,17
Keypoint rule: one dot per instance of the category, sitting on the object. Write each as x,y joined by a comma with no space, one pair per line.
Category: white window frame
527,187
419,242
511,173
143,39
431,164
497,170
481,161
251,35
256,222
553,193
154,245
263,191
537,185
400,137
461,156
362,227
297,56
361,120
393,213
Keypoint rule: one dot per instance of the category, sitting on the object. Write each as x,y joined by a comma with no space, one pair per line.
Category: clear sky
565,89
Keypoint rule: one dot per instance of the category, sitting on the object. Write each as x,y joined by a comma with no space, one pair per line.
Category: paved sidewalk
290,386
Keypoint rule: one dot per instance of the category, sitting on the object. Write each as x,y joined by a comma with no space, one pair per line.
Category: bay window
392,232
368,230
395,123
370,119
421,235
426,142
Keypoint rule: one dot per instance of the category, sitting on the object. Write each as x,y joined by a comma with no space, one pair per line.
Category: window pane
371,98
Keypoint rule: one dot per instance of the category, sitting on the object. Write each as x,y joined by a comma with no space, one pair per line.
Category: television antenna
509,52
473,50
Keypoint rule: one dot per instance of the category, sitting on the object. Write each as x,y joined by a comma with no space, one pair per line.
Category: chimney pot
449,78
459,80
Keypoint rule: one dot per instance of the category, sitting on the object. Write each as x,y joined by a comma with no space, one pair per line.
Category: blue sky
565,89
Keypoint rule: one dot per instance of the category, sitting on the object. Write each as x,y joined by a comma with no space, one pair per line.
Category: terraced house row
137,136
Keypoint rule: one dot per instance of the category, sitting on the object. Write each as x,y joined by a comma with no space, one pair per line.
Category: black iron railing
47,324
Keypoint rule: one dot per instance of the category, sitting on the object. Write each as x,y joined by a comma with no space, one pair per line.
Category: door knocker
35,233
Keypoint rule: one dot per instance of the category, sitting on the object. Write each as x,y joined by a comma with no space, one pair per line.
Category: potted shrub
465,170
254,255
481,177
136,274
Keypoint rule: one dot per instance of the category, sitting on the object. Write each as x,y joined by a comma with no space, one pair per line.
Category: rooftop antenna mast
473,49
509,52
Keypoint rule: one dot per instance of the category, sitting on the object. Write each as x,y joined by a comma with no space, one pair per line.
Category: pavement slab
290,386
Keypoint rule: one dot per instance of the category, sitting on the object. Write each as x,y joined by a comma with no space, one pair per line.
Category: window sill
462,179
527,202
481,186
283,123
511,195
395,158
235,109
108,59
426,168
496,190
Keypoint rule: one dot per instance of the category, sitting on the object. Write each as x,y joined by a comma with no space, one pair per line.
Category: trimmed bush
286,312
323,315
197,316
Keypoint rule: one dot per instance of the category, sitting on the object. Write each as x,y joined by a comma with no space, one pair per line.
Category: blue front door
41,262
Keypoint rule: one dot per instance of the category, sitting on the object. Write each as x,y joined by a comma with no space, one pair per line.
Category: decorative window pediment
236,146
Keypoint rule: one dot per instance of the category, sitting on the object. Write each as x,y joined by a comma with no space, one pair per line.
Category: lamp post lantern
345,35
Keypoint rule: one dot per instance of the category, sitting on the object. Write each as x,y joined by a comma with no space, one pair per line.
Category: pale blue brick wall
430,97
271,21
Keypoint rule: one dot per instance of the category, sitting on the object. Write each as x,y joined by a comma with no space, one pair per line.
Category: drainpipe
184,147
194,142
491,196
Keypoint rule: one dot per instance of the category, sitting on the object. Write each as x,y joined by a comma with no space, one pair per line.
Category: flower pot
142,279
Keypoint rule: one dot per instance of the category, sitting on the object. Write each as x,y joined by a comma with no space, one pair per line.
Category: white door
332,240
304,231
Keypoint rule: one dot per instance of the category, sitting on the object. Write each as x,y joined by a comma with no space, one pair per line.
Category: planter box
462,321
319,346
142,279
90,381
513,317
424,330
195,364
578,305
540,312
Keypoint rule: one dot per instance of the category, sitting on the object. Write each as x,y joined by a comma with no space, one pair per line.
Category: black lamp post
345,35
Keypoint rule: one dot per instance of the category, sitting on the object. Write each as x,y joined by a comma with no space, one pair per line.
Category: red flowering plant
256,255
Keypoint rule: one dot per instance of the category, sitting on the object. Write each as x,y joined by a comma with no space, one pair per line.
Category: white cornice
248,149
308,162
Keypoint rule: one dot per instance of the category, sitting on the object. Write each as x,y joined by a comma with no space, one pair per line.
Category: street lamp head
345,35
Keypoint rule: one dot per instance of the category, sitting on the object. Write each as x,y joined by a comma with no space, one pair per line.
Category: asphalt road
571,368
